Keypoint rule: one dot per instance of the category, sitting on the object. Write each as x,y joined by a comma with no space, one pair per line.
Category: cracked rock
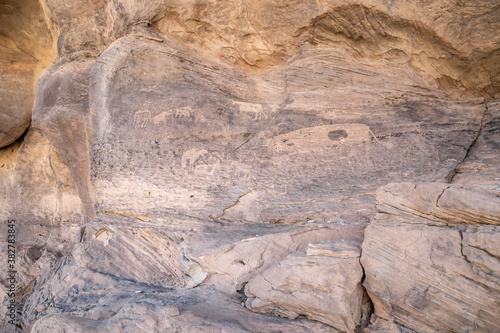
322,285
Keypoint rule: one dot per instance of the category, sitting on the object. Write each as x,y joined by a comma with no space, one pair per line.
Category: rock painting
255,110
160,119
322,136
189,157
201,161
142,118
184,112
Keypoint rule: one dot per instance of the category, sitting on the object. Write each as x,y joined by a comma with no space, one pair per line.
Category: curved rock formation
250,166
27,37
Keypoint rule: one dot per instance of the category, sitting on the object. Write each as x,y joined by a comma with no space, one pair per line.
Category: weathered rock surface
264,155
431,254
450,43
186,158
481,169
26,48
97,288
432,279
233,265
98,303
323,286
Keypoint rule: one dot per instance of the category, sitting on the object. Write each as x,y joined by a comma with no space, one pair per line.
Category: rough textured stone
185,155
481,169
439,202
324,288
427,281
96,289
61,113
249,148
443,275
451,43
231,267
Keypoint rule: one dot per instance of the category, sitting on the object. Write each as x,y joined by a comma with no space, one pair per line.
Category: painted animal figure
190,157
184,112
251,108
161,118
142,118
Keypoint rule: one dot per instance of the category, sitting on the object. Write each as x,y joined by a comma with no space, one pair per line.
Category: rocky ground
250,166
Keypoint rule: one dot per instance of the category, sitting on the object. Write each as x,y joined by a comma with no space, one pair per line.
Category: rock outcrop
443,273
431,254
324,284
262,166
27,39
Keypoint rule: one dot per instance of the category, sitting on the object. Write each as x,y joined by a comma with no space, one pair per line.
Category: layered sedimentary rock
263,153
431,255
331,269
214,165
434,274
122,274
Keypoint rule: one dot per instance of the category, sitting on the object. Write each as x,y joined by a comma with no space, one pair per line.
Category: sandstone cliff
250,166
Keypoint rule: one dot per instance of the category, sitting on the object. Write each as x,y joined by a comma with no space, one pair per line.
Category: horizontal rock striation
251,166
431,254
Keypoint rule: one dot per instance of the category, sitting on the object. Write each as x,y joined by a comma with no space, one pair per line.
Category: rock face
453,266
25,50
263,166
449,249
332,270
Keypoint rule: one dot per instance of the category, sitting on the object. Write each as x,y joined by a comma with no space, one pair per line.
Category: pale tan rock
64,323
130,252
381,325
481,247
231,267
439,202
260,151
431,255
78,298
26,48
61,113
339,249
36,185
434,272
15,111
193,318
231,130
481,169
323,288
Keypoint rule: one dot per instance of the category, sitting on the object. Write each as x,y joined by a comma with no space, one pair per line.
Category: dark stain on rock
337,135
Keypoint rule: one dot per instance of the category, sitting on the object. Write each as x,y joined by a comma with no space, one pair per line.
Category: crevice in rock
367,308
241,292
462,248
449,178
19,141
230,206
485,251
440,195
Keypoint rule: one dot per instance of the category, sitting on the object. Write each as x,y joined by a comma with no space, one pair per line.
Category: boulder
322,285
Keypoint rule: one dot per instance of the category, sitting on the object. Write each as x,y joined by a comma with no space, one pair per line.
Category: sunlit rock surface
262,166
